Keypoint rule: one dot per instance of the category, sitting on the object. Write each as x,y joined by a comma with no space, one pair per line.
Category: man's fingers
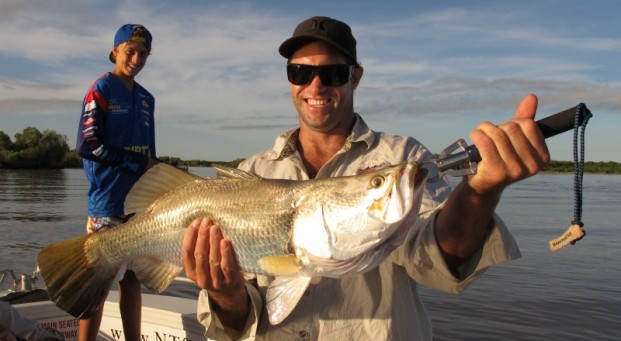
529,141
201,255
511,150
215,236
209,258
527,107
187,250
229,265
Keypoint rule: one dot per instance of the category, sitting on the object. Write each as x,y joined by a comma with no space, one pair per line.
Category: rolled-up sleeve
214,330
423,260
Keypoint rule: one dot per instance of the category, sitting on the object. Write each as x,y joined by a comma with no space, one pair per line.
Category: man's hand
511,151
209,260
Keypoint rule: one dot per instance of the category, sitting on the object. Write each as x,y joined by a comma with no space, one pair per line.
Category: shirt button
302,333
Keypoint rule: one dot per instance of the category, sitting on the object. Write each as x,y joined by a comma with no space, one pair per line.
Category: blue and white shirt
116,137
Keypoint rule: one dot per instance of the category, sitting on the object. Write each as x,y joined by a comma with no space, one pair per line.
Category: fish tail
75,283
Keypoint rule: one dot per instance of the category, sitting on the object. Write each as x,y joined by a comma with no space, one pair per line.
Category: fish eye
377,181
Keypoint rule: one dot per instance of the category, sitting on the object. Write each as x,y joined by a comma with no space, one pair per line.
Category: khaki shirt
381,304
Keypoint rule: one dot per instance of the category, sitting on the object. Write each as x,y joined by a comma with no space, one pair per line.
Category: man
116,138
455,239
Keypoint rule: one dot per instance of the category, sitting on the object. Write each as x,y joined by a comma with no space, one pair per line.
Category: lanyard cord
579,162
575,231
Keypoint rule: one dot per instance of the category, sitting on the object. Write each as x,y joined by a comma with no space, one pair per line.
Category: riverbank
74,161
593,167
555,167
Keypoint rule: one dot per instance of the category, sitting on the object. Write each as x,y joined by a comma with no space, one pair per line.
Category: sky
432,69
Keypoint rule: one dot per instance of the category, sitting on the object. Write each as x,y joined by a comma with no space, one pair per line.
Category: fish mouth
400,196
368,260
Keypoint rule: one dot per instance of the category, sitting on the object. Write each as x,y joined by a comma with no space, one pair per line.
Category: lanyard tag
572,235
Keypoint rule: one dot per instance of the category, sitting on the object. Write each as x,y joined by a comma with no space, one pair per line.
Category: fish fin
280,265
77,282
233,173
121,273
158,180
283,294
154,273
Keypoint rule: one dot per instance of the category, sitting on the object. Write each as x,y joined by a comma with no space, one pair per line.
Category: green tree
5,146
73,159
5,141
29,137
33,149
52,149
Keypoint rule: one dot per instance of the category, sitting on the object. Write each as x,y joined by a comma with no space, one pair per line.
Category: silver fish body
291,229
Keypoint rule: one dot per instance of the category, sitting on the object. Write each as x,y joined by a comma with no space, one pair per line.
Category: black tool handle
549,126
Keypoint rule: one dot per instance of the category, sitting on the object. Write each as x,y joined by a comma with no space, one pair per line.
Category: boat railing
3,276
24,283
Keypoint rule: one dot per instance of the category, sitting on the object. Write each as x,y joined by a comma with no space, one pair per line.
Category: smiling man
456,237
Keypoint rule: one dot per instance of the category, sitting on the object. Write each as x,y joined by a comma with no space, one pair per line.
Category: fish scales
255,226
290,229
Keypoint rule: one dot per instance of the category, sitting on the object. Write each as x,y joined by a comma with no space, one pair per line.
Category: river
572,294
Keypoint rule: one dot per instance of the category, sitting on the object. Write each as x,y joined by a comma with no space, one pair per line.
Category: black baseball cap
332,31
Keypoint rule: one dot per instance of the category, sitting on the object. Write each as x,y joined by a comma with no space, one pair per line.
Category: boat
164,317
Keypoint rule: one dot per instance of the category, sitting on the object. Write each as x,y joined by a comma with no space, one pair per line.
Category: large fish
294,230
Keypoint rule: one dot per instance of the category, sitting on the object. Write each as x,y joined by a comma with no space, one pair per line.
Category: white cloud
216,66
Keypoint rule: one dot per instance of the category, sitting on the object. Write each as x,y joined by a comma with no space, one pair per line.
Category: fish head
357,214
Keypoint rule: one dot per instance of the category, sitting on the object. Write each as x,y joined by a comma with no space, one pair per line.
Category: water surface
573,294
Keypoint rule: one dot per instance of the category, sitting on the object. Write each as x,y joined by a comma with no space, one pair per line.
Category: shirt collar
286,143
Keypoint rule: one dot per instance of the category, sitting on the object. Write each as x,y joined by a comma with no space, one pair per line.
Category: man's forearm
462,224
233,311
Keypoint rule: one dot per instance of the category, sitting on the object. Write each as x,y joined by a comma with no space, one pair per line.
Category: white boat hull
164,318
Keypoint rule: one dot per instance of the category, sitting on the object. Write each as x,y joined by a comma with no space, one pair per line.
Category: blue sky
433,69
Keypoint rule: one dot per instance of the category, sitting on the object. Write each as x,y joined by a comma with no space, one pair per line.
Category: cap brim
111,57
289,46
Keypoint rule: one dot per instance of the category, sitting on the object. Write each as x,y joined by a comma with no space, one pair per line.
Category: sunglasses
330,75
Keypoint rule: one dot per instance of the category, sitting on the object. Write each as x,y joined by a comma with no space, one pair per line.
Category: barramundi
293,230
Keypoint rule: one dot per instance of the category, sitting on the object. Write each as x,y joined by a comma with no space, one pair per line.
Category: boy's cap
131,32
332,31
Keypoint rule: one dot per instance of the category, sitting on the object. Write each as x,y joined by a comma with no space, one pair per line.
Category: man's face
323,108
131,57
